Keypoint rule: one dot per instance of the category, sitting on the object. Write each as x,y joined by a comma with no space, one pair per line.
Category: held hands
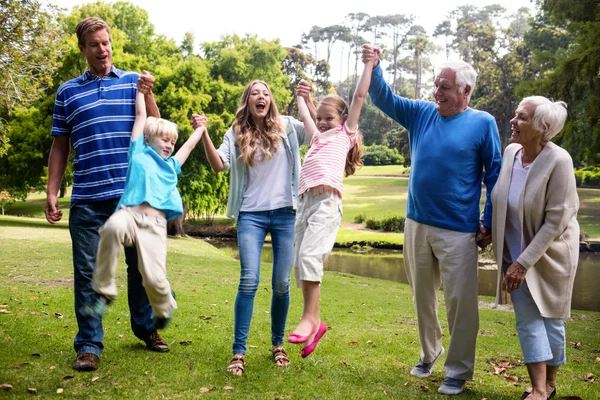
53,214
483,237
199,121
146,82
515,275
370,54
303,90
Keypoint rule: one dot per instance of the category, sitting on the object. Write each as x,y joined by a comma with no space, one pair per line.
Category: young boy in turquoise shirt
150,200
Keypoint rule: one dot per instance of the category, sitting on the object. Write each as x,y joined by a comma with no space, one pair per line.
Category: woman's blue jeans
84,222
252,228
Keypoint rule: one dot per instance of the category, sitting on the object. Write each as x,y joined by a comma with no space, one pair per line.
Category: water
389,265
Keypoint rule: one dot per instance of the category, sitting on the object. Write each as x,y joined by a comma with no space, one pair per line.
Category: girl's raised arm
209,148
361,93
140,116
309,124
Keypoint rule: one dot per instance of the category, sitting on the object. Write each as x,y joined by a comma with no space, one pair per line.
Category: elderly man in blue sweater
451,145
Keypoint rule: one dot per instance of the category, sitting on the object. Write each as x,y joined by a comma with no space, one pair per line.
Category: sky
286,20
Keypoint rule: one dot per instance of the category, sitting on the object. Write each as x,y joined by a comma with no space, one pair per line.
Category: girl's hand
145,83
303,89
515,275
370,54
198,120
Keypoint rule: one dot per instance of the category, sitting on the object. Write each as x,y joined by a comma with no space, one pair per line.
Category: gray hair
465,75
549,116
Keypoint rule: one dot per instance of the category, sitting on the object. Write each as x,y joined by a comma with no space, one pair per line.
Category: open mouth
261,106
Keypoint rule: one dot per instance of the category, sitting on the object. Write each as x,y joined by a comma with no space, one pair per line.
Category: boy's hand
303,89
370,53
199,120
146,82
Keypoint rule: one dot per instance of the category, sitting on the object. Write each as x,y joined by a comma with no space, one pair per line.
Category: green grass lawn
367,354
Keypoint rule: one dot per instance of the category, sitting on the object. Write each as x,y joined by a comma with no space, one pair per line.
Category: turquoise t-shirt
152,179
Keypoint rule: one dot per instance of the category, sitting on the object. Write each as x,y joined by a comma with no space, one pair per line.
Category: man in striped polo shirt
95,113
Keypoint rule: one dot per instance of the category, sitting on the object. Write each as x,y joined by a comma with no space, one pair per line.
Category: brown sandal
280,356
236,365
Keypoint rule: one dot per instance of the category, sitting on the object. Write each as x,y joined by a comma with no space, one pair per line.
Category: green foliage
360,218
588,177
381,155
390,224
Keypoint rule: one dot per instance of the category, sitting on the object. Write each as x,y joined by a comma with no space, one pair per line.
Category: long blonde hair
354,156
249,138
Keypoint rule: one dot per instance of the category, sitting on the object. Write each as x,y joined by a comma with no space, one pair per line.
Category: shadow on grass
31,223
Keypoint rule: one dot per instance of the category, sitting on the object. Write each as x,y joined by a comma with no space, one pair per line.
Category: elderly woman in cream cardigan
536,237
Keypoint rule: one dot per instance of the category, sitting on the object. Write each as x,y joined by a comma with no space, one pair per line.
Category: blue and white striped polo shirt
98,115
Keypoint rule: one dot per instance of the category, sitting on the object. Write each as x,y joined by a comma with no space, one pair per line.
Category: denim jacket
295,135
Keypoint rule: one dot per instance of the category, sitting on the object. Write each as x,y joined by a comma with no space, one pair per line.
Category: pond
389,265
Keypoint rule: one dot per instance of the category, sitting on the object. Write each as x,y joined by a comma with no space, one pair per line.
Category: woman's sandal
236,365
280,356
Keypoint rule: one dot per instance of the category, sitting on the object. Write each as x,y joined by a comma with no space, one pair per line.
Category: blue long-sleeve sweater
448,157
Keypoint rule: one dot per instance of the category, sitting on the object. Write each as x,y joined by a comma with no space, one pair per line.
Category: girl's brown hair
354,157
249,138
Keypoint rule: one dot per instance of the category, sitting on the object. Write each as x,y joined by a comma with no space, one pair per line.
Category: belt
320,189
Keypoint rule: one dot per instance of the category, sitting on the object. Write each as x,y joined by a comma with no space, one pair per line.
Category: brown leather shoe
156,343
86,362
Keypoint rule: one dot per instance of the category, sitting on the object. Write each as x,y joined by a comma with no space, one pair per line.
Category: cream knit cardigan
550,233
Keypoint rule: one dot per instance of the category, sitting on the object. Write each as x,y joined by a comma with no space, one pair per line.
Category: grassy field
367,354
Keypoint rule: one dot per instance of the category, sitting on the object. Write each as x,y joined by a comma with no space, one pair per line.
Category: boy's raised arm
199,129
140,115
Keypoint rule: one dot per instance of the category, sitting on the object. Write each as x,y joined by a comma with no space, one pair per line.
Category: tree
30,45
399,27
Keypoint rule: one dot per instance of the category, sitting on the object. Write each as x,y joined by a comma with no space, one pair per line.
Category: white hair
465,75
549,116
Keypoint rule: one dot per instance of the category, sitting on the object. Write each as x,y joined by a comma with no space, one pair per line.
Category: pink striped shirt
325,162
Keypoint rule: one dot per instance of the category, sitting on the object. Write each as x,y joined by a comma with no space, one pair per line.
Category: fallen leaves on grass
185,342
6,386
227,388
512,378
59,390
204,390
597,359
52,367
590,377
3,311
94,379
372,343
32,390
353,342
344,362
576,345
501,366
424,387
58,315
68,377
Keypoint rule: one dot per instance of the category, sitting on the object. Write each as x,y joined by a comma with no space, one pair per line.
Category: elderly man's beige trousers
434,256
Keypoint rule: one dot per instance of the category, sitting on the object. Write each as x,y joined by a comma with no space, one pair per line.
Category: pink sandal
308,349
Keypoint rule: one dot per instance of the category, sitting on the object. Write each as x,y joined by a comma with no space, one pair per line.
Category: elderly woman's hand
515,275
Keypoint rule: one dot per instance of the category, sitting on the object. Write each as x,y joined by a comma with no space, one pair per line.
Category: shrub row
391,224
588,176
381,155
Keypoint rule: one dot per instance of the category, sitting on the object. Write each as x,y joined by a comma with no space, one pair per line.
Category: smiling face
97,51
162,144
328,117
448,99
259,102
523,131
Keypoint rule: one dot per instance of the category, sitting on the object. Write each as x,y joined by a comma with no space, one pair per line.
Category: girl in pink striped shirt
335,152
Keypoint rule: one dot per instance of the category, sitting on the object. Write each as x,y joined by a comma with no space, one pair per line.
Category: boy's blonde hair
354,156
158,127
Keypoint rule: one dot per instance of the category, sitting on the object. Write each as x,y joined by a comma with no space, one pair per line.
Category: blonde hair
354,156
549,116
249,138
91,24
158,127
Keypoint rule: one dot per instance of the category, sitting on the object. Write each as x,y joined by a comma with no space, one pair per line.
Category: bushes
588,177
381,155
391,224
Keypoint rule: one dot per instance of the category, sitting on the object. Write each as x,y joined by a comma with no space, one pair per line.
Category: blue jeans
252,228
84,222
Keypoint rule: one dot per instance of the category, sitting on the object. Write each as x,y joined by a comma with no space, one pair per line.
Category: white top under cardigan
548,208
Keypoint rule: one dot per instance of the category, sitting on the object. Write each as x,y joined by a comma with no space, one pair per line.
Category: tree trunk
175,226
